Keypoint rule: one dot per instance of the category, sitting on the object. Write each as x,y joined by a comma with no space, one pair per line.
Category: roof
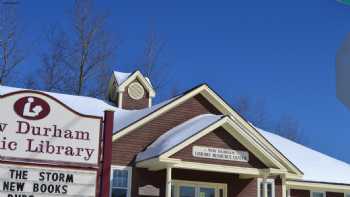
121,77
315,165
96,107
177,135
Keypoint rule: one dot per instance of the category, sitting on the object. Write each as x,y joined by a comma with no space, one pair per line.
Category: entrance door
198,189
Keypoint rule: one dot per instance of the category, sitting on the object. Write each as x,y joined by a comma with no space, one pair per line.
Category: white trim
318,186
237,133
198,184
129,169
149,101
137,75
270,181
168,182
317,191
120,99
225,109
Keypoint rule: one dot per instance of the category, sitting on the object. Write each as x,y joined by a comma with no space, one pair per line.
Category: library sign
35,126
26,181
37,129
220,154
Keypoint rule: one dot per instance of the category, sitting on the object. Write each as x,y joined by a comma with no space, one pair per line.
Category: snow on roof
177,135
316,166
121,76
96,107
129,116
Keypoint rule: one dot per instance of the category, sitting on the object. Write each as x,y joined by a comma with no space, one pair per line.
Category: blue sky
282,52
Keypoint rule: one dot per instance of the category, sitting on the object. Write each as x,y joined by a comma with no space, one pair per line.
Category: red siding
142,177
129,103
299,193
278,187
334,194
125,149
219,138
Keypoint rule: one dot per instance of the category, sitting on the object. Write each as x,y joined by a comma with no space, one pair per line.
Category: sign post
107,153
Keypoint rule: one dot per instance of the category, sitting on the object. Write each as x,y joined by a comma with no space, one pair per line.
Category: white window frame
317,191
197,184
129,169
272,181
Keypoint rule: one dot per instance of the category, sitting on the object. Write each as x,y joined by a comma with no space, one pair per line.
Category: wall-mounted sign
28,181
220,154
37,127
148,190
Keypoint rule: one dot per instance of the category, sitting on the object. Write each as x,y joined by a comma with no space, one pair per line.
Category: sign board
28,181
220,154
37,127
148,190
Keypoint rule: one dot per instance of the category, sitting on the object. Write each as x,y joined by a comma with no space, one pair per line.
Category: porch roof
177,135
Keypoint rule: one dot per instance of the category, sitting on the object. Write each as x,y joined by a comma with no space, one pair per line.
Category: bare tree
91,45
53,71
242,105
151,65
79,61
10,55
252,110
289,127
255,112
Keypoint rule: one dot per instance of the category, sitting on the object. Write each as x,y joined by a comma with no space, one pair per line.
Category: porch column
265,187
168,182
284,186
264,182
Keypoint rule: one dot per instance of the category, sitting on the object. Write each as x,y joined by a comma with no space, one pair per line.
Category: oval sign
32,108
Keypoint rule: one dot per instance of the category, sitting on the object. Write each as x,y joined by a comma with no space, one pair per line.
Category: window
270,186
181,188
347,195
120,181
318,194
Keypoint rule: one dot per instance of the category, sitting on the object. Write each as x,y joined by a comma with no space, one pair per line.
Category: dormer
130,90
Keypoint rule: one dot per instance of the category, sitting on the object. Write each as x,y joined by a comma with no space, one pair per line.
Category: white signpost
36,127
220,154
26,181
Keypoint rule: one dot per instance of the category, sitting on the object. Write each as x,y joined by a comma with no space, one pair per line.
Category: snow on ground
177,135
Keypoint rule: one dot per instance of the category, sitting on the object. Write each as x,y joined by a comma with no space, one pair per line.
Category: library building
126,145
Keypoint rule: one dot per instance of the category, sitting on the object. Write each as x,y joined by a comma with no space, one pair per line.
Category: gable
219,138
137,75
219,105
129,103
126,148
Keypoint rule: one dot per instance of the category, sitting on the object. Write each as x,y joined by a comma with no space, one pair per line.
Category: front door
198,189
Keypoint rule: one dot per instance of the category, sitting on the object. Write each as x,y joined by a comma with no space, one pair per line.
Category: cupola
130,90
